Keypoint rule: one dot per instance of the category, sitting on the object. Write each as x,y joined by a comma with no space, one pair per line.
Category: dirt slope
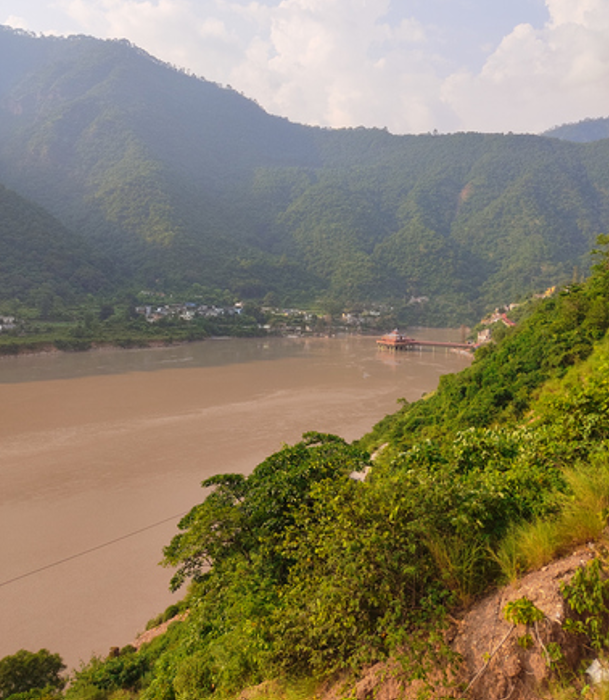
494,665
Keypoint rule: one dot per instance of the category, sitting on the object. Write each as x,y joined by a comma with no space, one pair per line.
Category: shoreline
50,348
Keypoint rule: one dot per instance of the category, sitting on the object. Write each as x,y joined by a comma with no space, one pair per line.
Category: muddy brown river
101,452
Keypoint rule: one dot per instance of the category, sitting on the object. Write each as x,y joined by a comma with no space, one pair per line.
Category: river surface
101,452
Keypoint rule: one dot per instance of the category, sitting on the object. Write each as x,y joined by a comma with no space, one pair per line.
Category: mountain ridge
179,181
584,131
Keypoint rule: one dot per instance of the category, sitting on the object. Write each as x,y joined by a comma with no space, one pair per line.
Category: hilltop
586,131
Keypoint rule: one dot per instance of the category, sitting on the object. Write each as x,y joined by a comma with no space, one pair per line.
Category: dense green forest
41,259
166,180
300,572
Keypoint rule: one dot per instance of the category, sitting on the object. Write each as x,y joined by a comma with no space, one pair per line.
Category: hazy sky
408,65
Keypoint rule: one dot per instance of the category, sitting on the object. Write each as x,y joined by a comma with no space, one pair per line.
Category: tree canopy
27,671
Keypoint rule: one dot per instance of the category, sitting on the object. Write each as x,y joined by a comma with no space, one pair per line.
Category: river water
101,452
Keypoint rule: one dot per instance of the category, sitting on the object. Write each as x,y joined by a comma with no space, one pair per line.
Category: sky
411,66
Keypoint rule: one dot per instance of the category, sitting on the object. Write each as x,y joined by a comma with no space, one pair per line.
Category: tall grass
584,509
462,565
302,689
526,547
582,517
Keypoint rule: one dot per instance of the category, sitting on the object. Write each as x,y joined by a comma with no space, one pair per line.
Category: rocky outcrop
494,663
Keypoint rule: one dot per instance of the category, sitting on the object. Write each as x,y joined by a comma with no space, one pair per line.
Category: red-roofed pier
397,341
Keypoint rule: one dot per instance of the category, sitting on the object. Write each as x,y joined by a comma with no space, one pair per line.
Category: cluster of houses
187,311
365,318
485,335
283,320
7,323
500,316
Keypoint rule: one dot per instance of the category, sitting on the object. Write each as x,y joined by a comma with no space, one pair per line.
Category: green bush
588,597
26,671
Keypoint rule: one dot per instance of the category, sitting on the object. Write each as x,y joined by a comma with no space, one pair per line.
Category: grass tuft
582,518
585,508
461,564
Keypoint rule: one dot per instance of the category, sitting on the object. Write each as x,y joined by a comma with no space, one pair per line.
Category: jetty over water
397,341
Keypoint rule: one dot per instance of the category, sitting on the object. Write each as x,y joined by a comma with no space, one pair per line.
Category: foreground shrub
26,671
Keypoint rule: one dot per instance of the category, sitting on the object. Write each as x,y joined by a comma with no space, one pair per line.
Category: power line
92,549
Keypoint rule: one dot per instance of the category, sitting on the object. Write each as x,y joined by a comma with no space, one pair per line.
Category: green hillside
179,181
301,574
42,262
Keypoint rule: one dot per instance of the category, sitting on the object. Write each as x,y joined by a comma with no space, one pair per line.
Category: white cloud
15,22
339,63
187,33
587,13
537,78
129,18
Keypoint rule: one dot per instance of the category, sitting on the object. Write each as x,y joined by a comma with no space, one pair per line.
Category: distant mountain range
153,178
585,131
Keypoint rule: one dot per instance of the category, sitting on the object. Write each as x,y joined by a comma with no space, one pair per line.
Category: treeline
585,131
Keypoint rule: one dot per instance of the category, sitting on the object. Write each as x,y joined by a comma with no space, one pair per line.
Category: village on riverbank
169,322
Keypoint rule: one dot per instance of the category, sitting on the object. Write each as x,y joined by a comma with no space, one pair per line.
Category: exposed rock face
494,664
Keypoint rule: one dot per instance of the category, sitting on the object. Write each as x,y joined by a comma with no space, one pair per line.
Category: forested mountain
43,261
179,181
582,132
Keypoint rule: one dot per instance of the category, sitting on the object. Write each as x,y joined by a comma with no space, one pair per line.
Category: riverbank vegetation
302,573
93,324
146,319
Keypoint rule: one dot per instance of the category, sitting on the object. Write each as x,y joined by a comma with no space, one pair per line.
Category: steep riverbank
98,445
